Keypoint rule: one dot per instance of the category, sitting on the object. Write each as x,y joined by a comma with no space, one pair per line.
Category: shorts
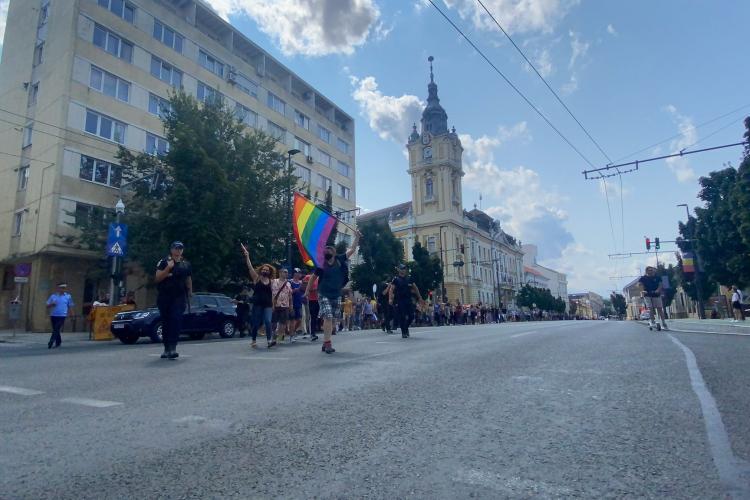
280,314
737,305
297,313
329,308
653,302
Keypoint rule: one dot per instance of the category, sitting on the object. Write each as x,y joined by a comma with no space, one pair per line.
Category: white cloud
391,117
578,49
309,27
611,30
543,63
571,86
680,166
516,16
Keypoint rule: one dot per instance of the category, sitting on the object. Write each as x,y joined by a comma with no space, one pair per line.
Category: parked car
645,316
208,312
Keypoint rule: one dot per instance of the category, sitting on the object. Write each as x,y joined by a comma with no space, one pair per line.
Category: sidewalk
719,326
77,338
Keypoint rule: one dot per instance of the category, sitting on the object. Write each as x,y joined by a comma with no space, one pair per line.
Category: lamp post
289,155
694,248
114,289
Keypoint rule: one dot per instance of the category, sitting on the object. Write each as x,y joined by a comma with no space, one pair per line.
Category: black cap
177,244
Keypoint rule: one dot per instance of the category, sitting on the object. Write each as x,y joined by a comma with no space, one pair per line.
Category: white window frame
431,244
44,13
301,119
175,75
303,146
115,125
33,94
246,85
157,141
323,155
343,191
324,134
95,165
275,129
246,115
162,105
208,92
17,223
211,63
343,168
110,6
38,54
120,84
28,135
23,178
160,33
429,189
304,173
108,36
342,145
276,103
323,182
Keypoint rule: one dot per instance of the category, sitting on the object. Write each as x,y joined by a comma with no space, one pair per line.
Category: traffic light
656,243
648,243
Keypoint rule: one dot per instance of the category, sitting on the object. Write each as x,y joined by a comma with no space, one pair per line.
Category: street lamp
694,248
114,290
289,155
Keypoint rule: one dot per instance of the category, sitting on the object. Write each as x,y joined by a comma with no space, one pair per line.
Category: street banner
688,263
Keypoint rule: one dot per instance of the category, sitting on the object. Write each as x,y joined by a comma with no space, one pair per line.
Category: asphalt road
530,410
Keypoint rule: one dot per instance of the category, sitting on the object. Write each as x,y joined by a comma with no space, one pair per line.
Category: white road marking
522,334
20,391
731,468
94,403
263,358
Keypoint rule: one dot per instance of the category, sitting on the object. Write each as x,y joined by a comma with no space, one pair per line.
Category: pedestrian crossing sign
117,240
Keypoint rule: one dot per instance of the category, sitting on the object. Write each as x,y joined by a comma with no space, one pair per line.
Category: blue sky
634,73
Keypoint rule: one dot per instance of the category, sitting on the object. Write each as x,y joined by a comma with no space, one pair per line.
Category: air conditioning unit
309,159
232,74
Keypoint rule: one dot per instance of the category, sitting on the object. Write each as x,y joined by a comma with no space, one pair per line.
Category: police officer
175,286
400,295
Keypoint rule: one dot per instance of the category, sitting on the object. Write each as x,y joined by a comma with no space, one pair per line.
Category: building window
211,63
23,177
38,54
344,169
301,120
323,182
156,145
109,84
246,85
343,191
429,189
17,223
44,13
246,115
92,215
277,132
276,104
324,134
431,244
166,72
100,172
108,41
158,106
168,36
205,92
342,146
325,159
120,8
105,127
28,131
33,94
303,173
302,146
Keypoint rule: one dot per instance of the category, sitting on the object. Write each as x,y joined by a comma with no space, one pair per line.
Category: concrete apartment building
481,263
78,78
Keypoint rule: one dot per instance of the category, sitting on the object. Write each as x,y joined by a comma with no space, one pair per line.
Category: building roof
387,214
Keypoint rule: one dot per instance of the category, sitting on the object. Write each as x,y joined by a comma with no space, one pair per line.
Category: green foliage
218,186
425,269
381,252
619,304
707,285
528,296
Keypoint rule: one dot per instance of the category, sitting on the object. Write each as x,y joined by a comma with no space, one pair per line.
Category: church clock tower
435,163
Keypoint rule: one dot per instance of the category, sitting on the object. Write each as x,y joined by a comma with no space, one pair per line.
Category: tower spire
432,79
434,118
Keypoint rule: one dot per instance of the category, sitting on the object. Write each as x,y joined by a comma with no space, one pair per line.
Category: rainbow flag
312,226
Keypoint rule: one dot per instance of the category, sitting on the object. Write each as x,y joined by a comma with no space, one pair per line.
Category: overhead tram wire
516,89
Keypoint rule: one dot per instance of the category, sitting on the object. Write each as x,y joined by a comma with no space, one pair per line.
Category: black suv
208,312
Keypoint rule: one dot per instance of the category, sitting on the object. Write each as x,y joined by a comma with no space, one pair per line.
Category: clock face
426,138
427,153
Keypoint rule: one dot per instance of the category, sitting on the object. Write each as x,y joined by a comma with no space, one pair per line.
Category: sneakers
328,348
164,355
271,344
313,338
173,355
664,327
253,345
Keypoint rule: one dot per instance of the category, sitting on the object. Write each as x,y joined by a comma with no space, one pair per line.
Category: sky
633,73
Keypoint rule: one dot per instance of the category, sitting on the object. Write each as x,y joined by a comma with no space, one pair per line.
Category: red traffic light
648,243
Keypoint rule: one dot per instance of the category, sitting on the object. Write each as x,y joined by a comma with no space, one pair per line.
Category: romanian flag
312,226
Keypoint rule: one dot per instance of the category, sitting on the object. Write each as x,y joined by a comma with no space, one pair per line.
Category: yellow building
78,78
481,263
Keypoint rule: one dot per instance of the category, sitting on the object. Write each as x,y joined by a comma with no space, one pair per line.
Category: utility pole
694,248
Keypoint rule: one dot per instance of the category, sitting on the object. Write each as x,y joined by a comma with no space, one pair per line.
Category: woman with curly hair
263,301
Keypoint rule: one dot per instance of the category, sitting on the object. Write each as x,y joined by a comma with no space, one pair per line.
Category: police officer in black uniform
175,286
400,295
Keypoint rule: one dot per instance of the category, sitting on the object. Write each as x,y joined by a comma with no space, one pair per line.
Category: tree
619,304
426,269
670,273
740,197
573,308
706,284
381,252
219,185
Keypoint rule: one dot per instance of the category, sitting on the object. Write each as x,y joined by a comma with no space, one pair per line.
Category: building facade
556,282
481,263
589,305
78,78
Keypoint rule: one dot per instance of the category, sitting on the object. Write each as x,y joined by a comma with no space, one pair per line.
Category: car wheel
129,339
197,335
157,333
227,329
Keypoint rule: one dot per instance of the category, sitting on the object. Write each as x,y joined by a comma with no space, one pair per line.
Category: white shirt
737,296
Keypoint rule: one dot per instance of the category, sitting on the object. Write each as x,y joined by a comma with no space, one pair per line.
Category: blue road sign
117,240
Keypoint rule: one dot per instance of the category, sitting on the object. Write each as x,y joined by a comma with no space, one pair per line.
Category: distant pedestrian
282,305
262,300
331,279
175,286
310,296
59,305
400,297
737,299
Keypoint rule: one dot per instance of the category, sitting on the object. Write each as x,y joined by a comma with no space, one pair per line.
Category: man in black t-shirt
400,293
175,285
651,291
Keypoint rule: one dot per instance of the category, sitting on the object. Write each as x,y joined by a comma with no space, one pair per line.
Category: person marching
282,305
175,286
331,279
59,304
262,300
386,311
400,293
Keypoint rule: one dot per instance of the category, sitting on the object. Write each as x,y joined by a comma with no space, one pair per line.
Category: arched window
429,189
